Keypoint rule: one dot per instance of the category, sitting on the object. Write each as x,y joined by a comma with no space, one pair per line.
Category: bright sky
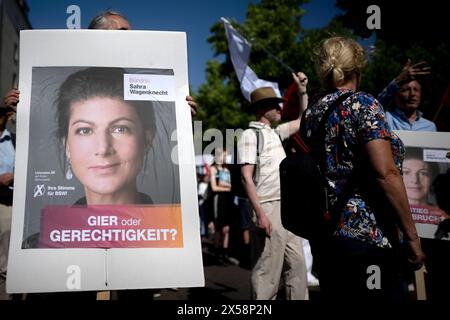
195,17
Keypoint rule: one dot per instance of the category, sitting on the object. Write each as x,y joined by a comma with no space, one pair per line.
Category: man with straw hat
276,252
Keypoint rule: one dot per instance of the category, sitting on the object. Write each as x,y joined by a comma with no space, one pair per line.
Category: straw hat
263,97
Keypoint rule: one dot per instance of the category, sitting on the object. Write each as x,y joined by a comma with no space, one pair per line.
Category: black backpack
304,200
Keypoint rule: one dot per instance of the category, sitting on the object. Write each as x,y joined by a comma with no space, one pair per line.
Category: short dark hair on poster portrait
97,82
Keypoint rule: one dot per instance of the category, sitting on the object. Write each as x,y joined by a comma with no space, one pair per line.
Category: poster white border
48,270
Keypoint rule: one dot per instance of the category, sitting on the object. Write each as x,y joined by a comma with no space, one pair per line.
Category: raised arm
408,73
302,81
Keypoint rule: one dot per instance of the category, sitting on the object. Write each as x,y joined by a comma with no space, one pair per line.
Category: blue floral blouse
358,120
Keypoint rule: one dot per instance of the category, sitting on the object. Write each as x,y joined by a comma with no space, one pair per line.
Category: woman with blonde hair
361,159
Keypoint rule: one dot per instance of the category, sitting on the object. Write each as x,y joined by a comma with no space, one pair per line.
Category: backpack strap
319,140
257,133
319,151
258,146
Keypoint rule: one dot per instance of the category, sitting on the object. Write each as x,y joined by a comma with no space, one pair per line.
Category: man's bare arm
250,188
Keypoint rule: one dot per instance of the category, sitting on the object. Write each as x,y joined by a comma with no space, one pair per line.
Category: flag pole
270,54
438,111
445,100
276,58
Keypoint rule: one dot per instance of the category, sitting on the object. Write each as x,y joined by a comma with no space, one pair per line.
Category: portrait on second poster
424,169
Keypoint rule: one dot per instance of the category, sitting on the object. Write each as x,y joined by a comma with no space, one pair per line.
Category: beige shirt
267,176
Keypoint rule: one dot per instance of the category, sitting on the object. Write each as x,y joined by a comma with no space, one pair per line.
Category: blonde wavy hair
337,60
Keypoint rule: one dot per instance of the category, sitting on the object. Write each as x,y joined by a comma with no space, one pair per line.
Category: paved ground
222,282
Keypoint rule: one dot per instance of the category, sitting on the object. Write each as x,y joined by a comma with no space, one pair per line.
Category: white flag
240,51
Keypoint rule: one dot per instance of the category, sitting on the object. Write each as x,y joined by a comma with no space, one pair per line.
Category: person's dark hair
89,83
100,21
417,153
441,185
414,153
97,82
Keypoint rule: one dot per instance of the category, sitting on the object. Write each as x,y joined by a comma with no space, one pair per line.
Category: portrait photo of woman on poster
418,177
105,138
92,145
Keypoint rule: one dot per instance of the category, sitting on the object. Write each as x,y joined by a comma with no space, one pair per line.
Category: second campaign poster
425,168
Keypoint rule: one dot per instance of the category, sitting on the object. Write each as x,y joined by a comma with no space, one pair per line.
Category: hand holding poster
96,185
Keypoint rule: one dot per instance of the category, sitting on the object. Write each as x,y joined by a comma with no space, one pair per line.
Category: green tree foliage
407,31
271,25
402,22
220,98
276,26
310,39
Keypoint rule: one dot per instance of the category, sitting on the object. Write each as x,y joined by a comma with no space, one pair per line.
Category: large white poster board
426,161
101,201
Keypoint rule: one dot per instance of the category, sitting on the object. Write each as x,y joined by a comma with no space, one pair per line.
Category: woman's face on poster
417,179
106,144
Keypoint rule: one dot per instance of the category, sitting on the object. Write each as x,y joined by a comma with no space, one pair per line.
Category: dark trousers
437,278
354,270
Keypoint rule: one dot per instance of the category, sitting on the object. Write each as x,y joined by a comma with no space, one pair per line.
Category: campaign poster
425,167
99,186
99,167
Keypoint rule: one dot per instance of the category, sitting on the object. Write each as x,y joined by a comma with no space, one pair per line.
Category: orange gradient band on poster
426,214
111,226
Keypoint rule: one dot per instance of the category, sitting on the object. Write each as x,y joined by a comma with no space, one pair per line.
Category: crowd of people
239,202
366,190
224,216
